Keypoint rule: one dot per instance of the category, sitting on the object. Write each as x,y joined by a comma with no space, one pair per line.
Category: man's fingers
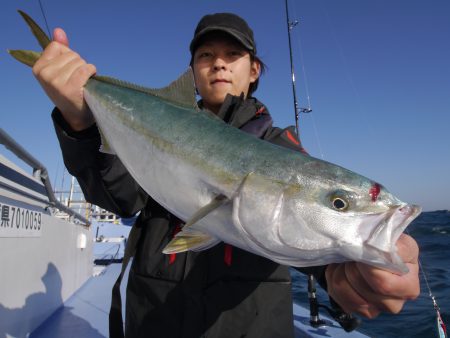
60,36
345,295
59,68
62,74
71,70
53,50
408,249
385,283
391,285
388,301
367,290
81,75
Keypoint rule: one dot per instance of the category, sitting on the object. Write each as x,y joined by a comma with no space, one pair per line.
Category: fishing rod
297,110
347,321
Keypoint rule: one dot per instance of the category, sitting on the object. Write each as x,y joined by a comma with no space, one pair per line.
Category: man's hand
62,74
366,290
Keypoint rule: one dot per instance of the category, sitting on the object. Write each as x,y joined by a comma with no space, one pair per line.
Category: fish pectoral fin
216,202
194,241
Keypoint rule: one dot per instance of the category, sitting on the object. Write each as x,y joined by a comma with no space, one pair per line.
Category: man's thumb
60,36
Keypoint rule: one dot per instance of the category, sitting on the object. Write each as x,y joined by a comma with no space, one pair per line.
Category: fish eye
339,204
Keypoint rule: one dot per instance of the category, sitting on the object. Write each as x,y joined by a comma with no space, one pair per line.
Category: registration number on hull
19,222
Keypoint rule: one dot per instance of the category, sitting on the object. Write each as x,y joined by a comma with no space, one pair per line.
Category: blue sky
378,76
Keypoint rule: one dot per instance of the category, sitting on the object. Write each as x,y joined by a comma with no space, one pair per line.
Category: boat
58,267
45,259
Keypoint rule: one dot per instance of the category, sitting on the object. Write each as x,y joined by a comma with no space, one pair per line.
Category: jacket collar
239,112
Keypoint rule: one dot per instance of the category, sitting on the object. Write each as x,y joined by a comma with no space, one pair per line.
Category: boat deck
85,313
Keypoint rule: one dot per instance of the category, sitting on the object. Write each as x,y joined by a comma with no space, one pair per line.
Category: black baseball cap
229,23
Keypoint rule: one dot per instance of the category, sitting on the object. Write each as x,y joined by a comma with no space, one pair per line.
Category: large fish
233,187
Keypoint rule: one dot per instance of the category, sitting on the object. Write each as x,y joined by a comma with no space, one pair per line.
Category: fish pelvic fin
190,241
180,92
29,57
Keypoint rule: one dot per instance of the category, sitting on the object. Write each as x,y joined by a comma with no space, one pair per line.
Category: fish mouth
380,248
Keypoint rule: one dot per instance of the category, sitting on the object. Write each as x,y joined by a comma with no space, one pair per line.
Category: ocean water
418,318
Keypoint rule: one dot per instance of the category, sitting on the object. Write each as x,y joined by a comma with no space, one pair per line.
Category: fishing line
442,330
440,325
316,133
45,18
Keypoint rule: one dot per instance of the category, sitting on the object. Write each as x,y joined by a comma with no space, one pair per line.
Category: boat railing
39,172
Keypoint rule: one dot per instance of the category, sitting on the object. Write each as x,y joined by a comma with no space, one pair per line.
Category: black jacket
220,292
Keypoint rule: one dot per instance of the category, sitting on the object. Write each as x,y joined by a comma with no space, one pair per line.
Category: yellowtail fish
233,187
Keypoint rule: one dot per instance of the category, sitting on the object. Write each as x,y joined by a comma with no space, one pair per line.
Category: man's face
222,66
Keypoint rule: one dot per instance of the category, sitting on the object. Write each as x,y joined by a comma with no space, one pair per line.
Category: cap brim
234,33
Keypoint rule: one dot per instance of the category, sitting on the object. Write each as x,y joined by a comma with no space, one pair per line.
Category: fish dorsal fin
180,91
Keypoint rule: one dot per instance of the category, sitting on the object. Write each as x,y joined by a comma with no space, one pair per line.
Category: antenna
297,110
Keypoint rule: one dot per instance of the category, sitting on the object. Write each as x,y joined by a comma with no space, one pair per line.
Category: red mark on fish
374,191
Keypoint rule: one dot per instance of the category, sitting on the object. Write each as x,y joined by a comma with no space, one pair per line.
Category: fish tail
37,31
29,57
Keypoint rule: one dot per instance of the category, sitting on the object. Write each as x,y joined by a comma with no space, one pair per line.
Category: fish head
346,218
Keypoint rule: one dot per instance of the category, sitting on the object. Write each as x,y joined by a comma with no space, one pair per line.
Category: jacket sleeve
103,178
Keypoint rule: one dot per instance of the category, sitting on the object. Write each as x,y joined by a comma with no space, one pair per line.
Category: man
222,291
